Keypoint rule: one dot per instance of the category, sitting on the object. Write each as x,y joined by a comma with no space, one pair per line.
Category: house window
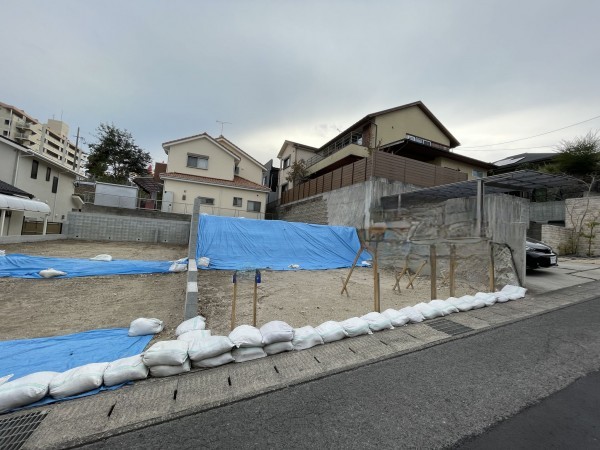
286,162
47,173
237,201
236,171
5,133
54,185
197,161
34,168
253,206
206,201
6,122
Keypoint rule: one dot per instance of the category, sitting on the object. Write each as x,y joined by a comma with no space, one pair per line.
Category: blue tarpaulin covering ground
234,243
59,353
26,266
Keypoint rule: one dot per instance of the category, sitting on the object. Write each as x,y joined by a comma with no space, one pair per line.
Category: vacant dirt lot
34,308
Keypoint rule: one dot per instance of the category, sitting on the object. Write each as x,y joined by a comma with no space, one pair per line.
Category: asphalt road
433,398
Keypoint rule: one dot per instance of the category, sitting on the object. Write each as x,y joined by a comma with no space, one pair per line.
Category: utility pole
223,124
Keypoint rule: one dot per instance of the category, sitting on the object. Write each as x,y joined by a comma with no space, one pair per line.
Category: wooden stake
345,286
375,281
400,275
233,303
492,270
411,279
452,270
254,302
433,271
378,309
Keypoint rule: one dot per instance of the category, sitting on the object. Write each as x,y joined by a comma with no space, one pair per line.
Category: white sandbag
25,390
209,347
377,321
306,337
278,347
396,317
77,380
428,311
167,370
460,304
2,253
246,336
144,326
276,331
169,353
194,335
6,378
195,323
513,292
488,299
331,331
51,273
217,361
476,303
414,315
102,257
501,298
203,261
443,306
125,369
355,326
178,267
244,354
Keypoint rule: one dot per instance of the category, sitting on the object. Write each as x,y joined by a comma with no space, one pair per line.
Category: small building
226,179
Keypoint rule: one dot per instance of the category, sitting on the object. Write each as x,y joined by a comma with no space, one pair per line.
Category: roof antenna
223,124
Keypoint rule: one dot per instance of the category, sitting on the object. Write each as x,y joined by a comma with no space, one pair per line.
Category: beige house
410,130
227,180
290,153
45,179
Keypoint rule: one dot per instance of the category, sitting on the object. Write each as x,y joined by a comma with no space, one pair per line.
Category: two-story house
227,180
410,131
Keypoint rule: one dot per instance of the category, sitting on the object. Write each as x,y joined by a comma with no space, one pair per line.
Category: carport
9,203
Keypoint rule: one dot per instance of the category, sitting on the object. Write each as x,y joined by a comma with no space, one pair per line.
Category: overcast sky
491,71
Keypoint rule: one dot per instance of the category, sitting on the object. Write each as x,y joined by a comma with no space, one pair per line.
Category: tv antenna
223,124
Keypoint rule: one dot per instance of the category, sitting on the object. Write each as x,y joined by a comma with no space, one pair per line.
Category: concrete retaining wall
17,239
125,228
557,238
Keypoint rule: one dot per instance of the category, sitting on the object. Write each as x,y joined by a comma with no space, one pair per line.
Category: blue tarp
235,243
26,266
59,353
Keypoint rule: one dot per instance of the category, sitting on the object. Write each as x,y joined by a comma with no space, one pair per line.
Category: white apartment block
50,139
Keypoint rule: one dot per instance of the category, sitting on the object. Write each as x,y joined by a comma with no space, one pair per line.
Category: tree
579,157
115,157
298,172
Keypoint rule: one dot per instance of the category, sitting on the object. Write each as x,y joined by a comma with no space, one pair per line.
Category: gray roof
523,158
9,189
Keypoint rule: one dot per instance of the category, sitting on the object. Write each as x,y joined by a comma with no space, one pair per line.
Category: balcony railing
353,137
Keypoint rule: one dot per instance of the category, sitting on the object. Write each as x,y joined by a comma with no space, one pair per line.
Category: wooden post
234,300
433,271
492,269
452,270
255,299
375,280
378,309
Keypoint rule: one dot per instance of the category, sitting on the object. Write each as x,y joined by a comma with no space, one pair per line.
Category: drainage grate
14,431
448,326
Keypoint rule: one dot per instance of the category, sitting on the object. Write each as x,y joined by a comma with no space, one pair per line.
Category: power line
471,149
537,135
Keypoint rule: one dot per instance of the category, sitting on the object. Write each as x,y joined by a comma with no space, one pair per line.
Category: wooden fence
380,164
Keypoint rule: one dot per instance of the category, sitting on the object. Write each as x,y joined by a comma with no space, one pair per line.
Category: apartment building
50,139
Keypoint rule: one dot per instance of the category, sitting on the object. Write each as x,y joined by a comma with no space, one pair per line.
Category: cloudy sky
491,71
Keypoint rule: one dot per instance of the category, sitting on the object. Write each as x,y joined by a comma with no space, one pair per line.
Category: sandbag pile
196,347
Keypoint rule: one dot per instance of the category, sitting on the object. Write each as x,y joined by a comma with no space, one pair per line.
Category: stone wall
556,237
312,210
94,226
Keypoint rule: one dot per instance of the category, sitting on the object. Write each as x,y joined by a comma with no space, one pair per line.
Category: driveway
570,272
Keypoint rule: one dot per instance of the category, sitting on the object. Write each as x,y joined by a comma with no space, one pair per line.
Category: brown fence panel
327,178
320,185
336,181
347,175
391,167
360,171
419,173
312,187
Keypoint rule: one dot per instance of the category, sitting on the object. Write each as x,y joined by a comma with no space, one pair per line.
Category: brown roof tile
238,182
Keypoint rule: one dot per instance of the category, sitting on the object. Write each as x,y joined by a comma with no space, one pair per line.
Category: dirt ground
35,308
309,297
49,307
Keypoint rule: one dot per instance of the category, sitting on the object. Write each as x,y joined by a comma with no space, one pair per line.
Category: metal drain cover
448,326
14,431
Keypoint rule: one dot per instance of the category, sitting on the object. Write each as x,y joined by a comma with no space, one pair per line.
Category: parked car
539,254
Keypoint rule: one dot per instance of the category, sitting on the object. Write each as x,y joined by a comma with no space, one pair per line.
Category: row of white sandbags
195,347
